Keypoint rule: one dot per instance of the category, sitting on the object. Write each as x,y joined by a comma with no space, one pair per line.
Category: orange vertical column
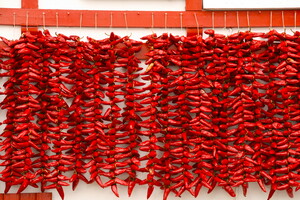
29,4
194,5
28,196
12,197
44,196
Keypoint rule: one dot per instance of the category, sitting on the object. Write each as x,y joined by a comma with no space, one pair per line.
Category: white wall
10,4
114,4
93,191
246,4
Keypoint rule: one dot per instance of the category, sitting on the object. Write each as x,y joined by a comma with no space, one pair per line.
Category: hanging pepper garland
206,112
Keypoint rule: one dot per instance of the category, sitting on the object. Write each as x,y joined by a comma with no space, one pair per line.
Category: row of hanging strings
165,20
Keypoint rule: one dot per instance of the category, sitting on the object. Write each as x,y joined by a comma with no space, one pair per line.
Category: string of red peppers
215,111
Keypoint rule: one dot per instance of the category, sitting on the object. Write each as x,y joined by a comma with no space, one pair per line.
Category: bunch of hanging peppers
204,112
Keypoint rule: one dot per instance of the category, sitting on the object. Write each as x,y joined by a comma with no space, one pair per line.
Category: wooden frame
26,196
30,15
142,19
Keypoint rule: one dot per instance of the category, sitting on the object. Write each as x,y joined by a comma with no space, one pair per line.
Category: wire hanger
27,20
295,20
96,20
166,21
126,23
248,21
197,24
152,22
225,23
181,16
225,19
44,21
14,25
56,17
283,24
238,21
111,20
271,20
125,19
213,19
80,21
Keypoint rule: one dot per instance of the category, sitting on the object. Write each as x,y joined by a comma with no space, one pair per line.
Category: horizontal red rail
143,19
26,196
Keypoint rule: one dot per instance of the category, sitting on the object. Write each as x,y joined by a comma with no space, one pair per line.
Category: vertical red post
29,4
43,196
28,196
193,5
12,197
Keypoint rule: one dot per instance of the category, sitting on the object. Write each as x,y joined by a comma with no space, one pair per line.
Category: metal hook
44,21
96,20
166,19
14,19
111,19
283,24
181,21
27,19
152,22
125,19
213,19
295,20
80,21
271,19
56,16
198,31
126,23
14,25
238,20
248,21
225,19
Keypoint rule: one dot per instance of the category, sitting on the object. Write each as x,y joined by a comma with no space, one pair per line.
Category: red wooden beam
142,19
30,3
193,5
26,196
43,196
11,196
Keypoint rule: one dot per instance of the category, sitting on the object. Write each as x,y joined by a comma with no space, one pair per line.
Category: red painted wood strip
1,196
142,19
11,196
28,196
194,31
30,3
44,196
193,5
32,30
141,54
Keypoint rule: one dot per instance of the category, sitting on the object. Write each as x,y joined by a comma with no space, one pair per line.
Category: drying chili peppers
213,111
